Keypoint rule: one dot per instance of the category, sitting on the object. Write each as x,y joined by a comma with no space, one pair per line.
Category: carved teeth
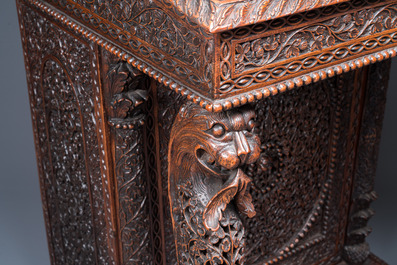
210,162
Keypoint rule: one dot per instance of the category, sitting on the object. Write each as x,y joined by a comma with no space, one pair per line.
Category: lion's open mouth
210,163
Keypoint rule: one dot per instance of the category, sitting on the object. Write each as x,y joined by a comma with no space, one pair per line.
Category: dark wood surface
211,68
256,145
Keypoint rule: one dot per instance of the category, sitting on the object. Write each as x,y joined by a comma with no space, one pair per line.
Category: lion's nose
242,146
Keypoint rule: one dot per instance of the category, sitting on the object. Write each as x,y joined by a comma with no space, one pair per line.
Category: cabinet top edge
221,15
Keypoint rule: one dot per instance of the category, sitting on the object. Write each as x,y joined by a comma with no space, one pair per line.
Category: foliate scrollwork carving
153,30
207,186
264,53
129,88
221,15
66,114
126,90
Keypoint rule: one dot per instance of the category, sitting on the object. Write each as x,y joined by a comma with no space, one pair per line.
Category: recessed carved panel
295,190
66,115
289,180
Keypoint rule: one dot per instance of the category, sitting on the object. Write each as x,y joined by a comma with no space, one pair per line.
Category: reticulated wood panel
309,141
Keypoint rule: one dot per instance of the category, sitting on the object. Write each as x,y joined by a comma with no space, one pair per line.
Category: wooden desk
208,132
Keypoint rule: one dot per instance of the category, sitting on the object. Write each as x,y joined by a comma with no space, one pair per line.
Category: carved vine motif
64,100
126,90
221,15
129,88
135,229
151,30
207,184
270,55
291,44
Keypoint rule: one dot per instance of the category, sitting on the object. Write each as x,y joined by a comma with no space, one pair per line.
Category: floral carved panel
264,54
67,117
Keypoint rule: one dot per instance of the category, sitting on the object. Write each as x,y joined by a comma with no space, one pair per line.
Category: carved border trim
232,101
109,211
266,53
39,157
219,15
194,75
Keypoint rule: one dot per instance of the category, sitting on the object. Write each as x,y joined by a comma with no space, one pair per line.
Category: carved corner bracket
128,88
207,185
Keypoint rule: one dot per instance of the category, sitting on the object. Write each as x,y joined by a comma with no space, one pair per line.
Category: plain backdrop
22,233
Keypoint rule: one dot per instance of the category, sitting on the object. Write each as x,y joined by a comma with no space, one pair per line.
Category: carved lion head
216,143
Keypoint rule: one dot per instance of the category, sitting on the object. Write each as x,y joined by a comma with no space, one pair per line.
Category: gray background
22,232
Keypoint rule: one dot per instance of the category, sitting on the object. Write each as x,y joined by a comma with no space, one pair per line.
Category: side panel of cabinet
68,123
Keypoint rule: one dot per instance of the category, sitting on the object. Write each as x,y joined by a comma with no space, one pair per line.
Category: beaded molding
204,102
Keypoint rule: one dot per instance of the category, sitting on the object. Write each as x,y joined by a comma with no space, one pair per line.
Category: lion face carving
206,152
230,142
220,142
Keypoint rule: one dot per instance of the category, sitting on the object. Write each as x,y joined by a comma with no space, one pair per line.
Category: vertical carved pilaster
207,185
356,250
126,90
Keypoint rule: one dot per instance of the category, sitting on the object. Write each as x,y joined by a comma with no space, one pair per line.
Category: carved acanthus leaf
236,186
127,84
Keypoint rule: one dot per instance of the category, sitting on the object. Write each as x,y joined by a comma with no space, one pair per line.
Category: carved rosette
207,186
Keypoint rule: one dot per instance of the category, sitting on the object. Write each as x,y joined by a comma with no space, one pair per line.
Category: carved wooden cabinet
207,131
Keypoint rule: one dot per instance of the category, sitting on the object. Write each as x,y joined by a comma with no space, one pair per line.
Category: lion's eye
218,130
251,125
